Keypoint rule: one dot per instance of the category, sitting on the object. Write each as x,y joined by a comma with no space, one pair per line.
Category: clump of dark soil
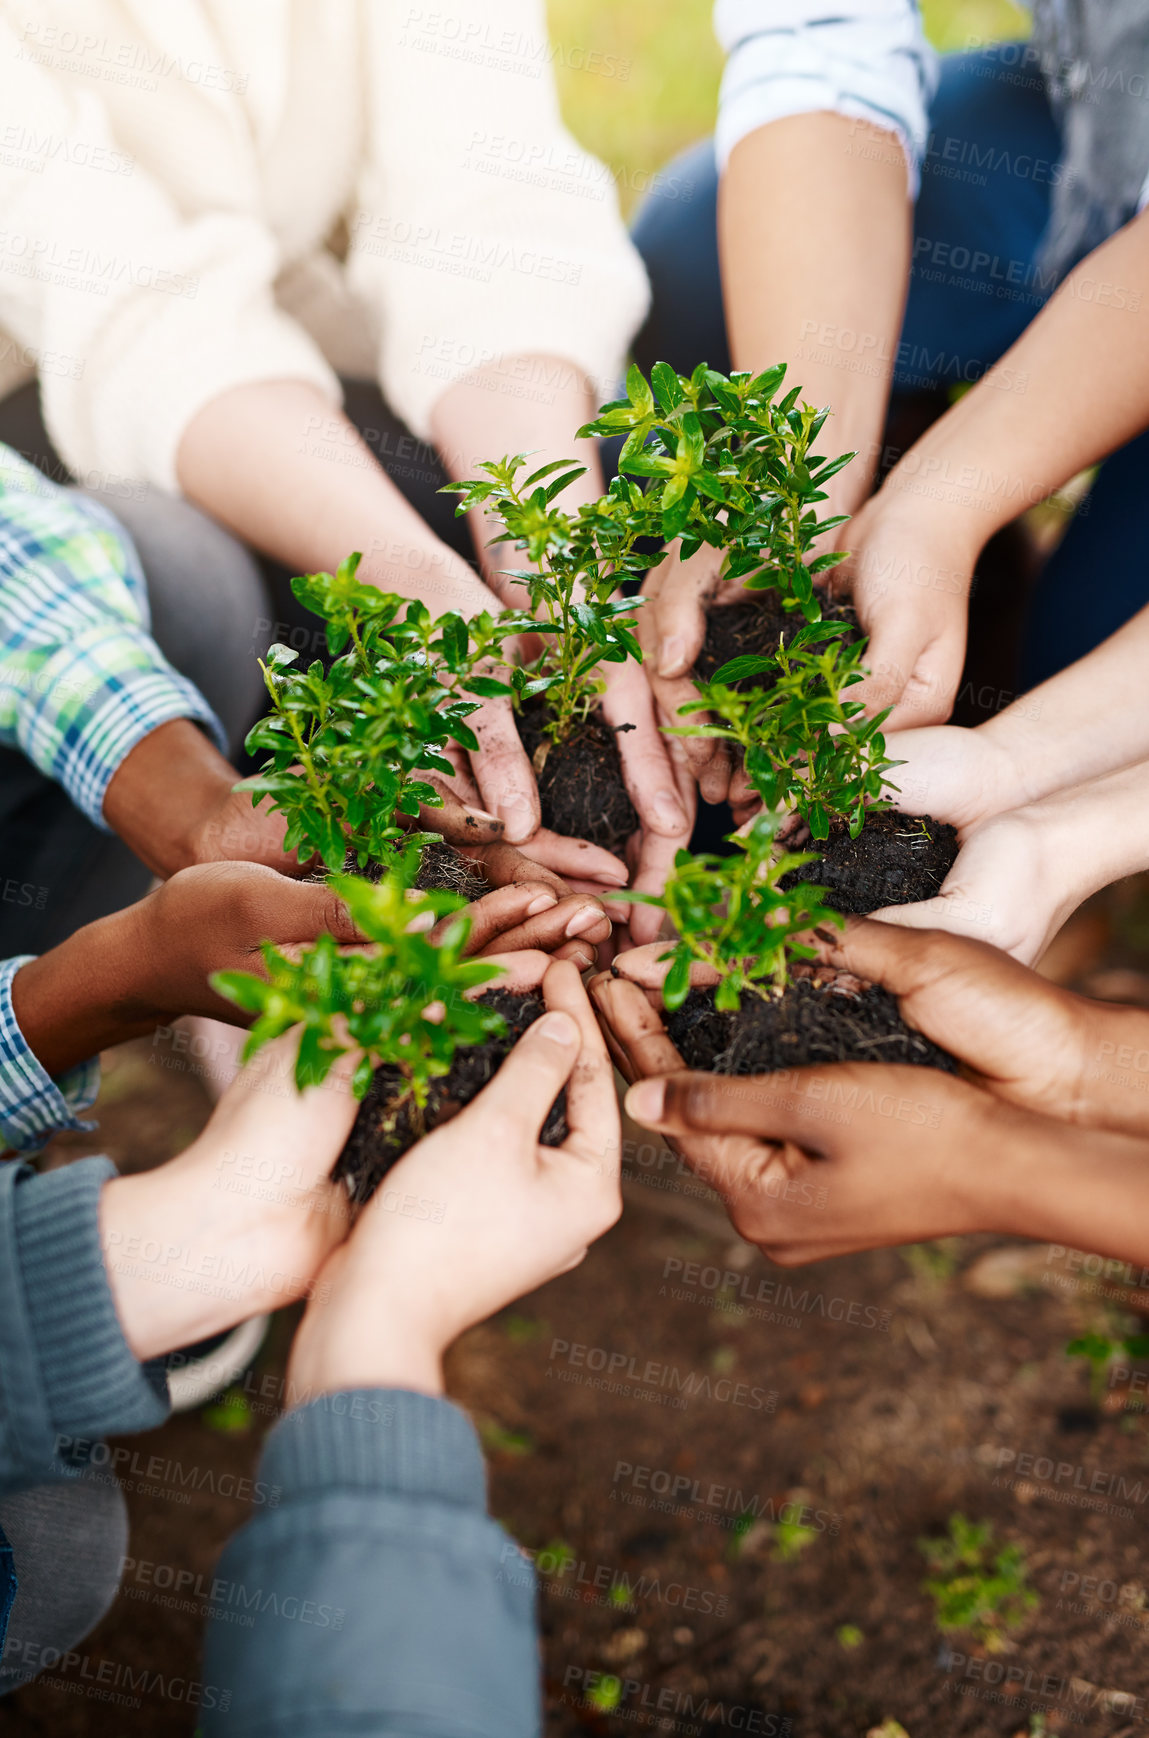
753,628
581,788
383,1133
441,867
895,860
810,1023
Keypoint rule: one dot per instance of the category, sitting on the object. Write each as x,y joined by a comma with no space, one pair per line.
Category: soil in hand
813,1022
441,868
753,628
895,860
581,788
386,1128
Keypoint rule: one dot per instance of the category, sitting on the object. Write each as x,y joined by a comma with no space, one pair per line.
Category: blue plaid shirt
81,682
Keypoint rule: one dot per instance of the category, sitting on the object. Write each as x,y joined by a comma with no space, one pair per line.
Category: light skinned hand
506,1213
908,576
243,1220
671,631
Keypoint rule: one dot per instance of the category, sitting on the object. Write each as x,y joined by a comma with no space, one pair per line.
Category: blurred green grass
665,66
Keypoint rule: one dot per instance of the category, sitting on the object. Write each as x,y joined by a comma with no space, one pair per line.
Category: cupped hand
1009,886
243,1220
531,907
1026,1040
952,773
909,575
500,1214
661,786
817,1162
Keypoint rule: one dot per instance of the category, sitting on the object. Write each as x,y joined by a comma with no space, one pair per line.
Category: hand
814,1162
658,778
671,631
952,773
1026,1040
506,1214
909,575
239,1223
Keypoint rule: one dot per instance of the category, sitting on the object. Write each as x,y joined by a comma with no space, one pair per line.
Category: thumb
305,910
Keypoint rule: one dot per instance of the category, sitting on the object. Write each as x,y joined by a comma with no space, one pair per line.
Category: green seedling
404,1003
790,1539
347,746
578,561
976,1586
849,1636
1100,1352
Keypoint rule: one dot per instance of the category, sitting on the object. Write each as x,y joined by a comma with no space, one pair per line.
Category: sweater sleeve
483,231
148,314
372,1594
67,1374
867,59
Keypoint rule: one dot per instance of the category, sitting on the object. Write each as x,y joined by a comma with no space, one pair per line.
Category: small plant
790,1539
805,747
732,914
1100,1352
346,745
849,1636
578,562
404,1002
975,1586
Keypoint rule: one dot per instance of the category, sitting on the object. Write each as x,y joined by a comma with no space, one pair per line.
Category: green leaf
638,391
676,986
667,387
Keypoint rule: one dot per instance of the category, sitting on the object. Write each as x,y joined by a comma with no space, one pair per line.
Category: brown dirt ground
867,1398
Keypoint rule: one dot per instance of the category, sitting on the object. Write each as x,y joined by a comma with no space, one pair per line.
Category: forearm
524,404
814,224
1074,387
1085,721
78,998
289,473
1058,1183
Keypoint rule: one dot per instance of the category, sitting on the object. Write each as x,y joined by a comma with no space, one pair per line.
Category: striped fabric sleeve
867,59
81,679
33,1106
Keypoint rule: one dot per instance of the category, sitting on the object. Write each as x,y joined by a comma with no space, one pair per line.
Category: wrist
165,792
430,571
363,1341
82,996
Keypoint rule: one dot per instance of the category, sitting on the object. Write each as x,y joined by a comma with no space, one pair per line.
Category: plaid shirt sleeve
33,1106
81,679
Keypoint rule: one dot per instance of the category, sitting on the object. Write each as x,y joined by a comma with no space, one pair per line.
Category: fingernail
672,659
482,815
645,1100
559,1028
582,921
668,812
542,903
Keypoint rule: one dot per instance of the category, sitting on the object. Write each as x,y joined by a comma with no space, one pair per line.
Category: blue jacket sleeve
373,1594
67,1375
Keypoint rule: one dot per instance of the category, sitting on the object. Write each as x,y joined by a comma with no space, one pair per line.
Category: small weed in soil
896,859
808,1024
383,1133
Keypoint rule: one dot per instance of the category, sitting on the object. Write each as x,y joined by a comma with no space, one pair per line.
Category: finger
316,911
582,954
458,820
521,972
679,612
953,912
495,914
532,1076
506,866
578,862
646,767
592,1103
655,862
647,966
503,771
578,918
636,1027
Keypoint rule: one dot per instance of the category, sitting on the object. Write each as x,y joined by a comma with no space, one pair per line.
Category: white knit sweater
172,173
